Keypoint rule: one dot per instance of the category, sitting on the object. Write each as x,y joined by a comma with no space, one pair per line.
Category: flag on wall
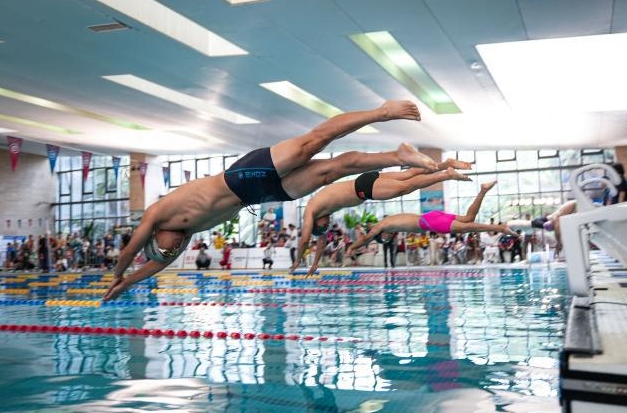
166,176
188,175
116,167
86,156
143,167
53,154
15,148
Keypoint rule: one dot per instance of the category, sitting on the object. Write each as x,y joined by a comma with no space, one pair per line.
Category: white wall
27,193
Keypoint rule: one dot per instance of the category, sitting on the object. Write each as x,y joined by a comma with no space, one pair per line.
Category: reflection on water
447,341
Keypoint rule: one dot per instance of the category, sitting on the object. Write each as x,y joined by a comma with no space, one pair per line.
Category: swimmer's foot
455,175
400,109
409,156
457,164
486,186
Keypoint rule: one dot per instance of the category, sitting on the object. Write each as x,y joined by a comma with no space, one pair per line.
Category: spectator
225,263
268,252
203,260
292,241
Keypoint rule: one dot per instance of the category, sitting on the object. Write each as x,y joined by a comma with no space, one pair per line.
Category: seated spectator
335,249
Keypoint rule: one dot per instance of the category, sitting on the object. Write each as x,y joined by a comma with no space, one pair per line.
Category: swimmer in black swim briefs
369,185
286,170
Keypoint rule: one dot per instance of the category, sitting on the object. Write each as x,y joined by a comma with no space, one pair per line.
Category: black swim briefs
539,222
364,184
254,179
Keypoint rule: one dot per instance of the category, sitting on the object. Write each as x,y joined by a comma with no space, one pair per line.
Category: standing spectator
292,241
268,252
126,238
389,240
42,252
225,263
218,240
423,245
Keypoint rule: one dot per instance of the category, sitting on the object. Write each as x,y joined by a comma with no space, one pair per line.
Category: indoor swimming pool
447,339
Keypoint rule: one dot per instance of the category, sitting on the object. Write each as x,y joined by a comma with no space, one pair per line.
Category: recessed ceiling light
181,99
291,92
34,100
384,49
29,122
108,27
585,74
235,2
178,27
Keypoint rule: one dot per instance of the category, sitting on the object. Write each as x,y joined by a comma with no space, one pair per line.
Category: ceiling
48,52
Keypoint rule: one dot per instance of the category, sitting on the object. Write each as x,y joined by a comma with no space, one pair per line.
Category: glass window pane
65,183
100,183
549,180
486,160
176,177
189,165
505,155
569,157
216,165
77,185
507,183
529,182
228,161
527,159
124,185
202,168
64,212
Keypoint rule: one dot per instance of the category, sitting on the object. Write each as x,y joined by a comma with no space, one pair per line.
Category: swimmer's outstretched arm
138,240
120,284
364,239
320,247
305,235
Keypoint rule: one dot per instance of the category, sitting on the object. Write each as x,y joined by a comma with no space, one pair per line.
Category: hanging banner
8,221
166,176
116,167
53,154
86,156
30,222
143,167
188,175
15,148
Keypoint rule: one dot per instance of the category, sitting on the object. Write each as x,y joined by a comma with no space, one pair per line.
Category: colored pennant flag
143,167
86,156
166,176
116,167
53,154
15,148
188,175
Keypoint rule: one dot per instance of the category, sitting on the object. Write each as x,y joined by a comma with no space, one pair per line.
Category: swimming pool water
463,339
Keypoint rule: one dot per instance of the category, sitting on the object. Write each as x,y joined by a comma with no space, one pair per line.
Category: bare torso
332,198
196,206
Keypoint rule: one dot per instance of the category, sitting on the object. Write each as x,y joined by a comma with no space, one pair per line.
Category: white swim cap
154,253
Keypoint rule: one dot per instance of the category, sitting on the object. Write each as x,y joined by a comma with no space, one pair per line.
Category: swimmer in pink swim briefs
436,221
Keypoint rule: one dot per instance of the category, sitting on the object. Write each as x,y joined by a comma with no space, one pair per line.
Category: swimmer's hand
312,270
293,267
117,287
